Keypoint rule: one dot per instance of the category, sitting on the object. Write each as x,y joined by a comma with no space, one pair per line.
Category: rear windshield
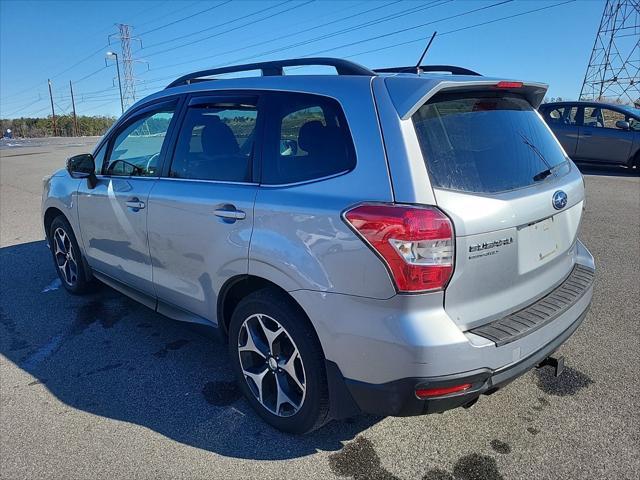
486,143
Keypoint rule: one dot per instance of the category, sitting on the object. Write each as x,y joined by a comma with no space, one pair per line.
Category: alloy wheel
65,256
271,365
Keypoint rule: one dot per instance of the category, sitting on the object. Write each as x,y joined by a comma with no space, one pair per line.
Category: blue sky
66,40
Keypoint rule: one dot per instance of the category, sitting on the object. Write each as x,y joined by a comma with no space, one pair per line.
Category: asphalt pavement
100,387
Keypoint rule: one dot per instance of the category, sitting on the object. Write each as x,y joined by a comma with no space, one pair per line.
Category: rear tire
67,257
278,362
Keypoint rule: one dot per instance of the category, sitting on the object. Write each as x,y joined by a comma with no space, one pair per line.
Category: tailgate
514,197
509,251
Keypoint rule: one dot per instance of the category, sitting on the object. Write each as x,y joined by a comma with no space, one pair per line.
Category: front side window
136,149
307,138
485,143
216,142
610,117
593,117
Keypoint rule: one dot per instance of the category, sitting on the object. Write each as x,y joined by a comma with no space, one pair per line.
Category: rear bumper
398,398
379,351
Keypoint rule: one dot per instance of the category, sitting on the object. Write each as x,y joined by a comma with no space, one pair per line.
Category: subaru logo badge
559,200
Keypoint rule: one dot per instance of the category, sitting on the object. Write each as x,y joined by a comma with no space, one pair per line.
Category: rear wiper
544,173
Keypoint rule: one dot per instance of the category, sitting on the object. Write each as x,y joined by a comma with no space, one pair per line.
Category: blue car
596,132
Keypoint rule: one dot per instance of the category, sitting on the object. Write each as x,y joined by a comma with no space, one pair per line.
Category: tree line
28,127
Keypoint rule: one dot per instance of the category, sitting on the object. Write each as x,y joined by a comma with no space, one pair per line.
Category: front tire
67,257
278,362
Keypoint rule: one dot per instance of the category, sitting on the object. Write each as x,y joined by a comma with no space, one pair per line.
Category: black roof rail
428,68
343,67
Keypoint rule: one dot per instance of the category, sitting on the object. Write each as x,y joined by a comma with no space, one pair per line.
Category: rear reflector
509,84
438,392
416,243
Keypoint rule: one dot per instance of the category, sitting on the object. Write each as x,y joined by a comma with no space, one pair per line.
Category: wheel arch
49,215
341,403
238,287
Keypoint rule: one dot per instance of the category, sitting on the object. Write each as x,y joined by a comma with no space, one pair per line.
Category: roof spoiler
408,94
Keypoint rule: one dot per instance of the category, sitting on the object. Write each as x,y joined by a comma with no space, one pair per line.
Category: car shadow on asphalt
107,355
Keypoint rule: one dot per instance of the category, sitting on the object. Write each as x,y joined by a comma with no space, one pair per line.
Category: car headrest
218,138
311,136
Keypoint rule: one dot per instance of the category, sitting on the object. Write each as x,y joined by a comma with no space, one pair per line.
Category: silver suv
395,242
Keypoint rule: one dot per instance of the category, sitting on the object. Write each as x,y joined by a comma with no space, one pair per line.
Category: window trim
271,107
211,97
126,121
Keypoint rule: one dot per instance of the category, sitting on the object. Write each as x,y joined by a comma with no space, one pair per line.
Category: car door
200,213
113,214
600,140
562,121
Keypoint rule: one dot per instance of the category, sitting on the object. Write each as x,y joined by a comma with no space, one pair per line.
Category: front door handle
135,204
229,214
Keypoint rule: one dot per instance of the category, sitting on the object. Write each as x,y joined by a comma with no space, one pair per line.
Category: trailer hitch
556,363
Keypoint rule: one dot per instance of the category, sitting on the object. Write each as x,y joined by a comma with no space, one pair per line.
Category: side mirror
83,166
621,124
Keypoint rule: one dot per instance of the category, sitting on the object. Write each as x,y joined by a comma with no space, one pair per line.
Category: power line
165,15
315,39
371,23
185,18
7,115
101,49
193,60
90,74
62,72
363,40
402,30
299,5
422,39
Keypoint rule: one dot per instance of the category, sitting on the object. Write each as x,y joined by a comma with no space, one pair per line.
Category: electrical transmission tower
614,67
129,80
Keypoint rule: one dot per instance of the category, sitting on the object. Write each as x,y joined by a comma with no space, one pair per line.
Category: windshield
486,143
632,111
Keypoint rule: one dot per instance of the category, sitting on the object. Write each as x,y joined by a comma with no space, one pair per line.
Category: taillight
416,243
505,84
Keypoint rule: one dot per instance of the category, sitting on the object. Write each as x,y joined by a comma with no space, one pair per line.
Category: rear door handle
135,204
229,214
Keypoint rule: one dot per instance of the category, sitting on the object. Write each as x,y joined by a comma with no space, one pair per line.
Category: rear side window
486,143
216,142
565,115
306,138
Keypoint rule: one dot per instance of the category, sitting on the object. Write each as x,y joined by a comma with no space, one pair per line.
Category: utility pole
115,55
53,112
614,66
73,104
